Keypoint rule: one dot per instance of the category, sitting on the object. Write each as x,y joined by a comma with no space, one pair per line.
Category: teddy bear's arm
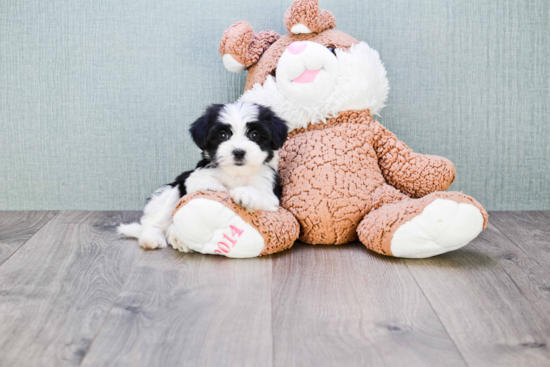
414,174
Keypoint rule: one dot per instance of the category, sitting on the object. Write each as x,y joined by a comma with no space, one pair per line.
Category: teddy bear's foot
210,223
443,226
438,223
208,227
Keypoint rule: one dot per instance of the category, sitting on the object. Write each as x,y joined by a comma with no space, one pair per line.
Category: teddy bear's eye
331,49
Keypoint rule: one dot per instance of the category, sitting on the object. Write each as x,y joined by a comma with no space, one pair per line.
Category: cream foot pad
443,226
209,227
210,223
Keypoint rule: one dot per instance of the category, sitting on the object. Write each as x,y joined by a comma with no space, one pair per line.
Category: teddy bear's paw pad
443,226
209,227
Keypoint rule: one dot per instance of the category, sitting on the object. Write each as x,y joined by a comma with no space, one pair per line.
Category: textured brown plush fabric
333,174
414,174
279,229
308,13
246,48
377,229
328,173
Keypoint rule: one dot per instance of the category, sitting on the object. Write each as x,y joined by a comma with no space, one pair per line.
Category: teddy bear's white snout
353,79
306,73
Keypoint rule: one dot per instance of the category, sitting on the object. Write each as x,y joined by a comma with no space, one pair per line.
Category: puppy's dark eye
223,136
331,49
253,135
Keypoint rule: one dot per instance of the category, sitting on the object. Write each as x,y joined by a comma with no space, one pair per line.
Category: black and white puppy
240,145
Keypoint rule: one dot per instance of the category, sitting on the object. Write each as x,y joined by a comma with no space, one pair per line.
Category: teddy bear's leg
210,223
417,228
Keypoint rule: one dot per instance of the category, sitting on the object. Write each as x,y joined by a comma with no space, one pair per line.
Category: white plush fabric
231,64
203,224
443,226
291,66
359,82
300,29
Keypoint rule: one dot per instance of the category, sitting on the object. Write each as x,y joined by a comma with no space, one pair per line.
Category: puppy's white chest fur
253,191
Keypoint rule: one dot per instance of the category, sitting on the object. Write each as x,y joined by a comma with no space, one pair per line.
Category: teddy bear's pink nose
297,47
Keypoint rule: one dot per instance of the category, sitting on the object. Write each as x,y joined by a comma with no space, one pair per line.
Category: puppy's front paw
270,203
245,198
210,186
271,208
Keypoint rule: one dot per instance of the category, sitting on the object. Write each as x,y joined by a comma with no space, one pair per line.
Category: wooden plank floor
72,293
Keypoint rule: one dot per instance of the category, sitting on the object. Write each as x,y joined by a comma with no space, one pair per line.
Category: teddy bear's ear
304,16
241,48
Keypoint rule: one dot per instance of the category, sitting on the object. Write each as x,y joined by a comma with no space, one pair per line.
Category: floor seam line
272,332
35,233
514,242
111,308
437,315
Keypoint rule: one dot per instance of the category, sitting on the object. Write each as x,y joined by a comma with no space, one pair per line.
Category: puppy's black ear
276,125
201,127
280,132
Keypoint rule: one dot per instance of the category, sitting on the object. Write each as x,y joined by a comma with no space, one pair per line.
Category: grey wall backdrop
96,96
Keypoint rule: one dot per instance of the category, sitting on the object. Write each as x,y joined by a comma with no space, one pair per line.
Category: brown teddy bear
344,175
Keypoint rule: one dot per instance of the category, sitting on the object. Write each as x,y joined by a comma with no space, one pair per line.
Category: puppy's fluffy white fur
239,143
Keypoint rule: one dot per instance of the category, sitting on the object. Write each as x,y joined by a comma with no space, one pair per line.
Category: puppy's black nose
239,154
